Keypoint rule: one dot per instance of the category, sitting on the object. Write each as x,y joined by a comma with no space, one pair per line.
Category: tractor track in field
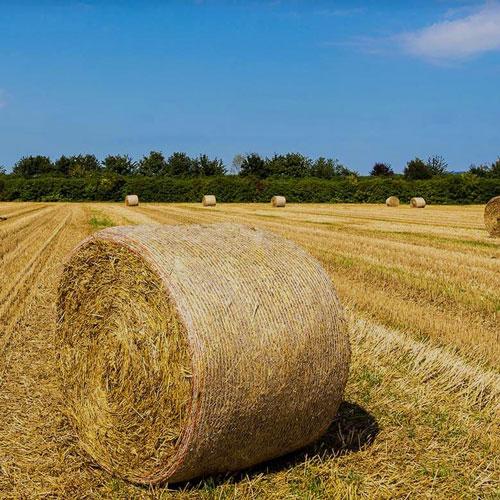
22,211
11,245
443,220
18,225
13,298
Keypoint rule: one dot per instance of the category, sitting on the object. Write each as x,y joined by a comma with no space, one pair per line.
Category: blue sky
358,81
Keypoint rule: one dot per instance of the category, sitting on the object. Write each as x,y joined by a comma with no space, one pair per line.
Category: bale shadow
352,430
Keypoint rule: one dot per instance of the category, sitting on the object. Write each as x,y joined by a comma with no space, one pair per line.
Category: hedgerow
449,189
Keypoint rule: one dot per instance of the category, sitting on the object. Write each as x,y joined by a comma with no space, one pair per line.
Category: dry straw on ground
131,200
209,200
417,203
191,350
278,201
492,216
392,201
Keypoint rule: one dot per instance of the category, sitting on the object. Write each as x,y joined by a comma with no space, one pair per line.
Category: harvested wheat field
421,412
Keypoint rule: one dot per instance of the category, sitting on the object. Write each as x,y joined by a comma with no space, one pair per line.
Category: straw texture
278,201
492,216
392,201
131,200
417,203
192,350
209,200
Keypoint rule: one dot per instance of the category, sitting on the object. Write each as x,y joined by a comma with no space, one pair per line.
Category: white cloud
341,12
457,39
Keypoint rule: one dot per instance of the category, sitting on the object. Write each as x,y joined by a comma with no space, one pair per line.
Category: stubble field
421,415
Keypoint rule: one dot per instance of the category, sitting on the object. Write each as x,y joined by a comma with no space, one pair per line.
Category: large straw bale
492,216
278,201
131,200
417,203
392,201
192,350
209,200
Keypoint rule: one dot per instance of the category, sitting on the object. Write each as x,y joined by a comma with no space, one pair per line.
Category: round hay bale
392,201
131,200
278,201
492,216
417,203
209,200
193,350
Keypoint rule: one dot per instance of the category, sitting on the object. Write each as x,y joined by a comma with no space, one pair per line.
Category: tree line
179,164
461,189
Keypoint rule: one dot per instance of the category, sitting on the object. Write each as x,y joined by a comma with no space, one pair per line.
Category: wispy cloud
3,99
349,11
456,39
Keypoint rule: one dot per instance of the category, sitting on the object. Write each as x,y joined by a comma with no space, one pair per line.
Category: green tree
437,165
62,165
492,171
324,168
254,165
77,165
495,169
479,170
152,165
343,171
203,165
180,165
119,164
83,165
417,169
382,169
33,166
290,165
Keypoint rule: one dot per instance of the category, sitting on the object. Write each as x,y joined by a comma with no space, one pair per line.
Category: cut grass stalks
432,441
478,385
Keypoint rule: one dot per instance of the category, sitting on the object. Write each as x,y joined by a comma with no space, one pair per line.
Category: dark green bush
448,189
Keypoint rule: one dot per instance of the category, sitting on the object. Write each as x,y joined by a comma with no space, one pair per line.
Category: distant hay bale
131,200
193,350
417,203
392,201
278,201
209,200
492,216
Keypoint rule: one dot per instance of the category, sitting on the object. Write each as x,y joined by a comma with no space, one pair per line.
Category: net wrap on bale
131,200
417,203
392,201
278,201
209,200
192,350
492,216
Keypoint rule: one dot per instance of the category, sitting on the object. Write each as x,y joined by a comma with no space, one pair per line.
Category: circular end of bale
417,202
164,382
492,216
392,201
278,201
209,200
131,200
